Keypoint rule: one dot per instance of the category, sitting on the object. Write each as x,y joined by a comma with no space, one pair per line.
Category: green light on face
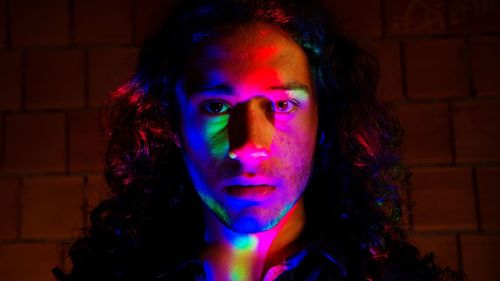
215,207
300,94
216,134
278,218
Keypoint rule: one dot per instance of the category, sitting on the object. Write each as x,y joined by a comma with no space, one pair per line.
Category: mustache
232,168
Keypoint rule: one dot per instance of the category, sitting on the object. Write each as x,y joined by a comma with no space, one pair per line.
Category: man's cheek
206,137
215,136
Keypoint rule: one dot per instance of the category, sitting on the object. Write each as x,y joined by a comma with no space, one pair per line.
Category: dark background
59,58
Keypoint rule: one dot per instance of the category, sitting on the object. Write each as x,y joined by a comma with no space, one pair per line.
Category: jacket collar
315,253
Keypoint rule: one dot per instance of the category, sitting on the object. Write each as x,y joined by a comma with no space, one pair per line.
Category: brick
480,257
405,217
10,80
55,79
2,147
444,199
485,62
149,17
35,143
444,247
103,21
40,23
474,16
476,131
109,68
412,17
488,184
427,136
51,207
9,208
97,191
436,69
86,145
388,53
3,23
28,261
365,22
66,263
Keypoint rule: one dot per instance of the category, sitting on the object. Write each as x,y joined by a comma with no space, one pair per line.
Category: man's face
248,125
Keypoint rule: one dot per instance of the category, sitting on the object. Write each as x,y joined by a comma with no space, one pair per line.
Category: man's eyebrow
222,89
291,87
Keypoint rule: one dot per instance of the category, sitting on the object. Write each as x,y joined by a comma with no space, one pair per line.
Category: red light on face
264,53
248,125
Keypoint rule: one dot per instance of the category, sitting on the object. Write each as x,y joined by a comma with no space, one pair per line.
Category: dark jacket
313,263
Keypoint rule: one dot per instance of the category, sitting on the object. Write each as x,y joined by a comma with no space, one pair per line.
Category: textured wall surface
59,59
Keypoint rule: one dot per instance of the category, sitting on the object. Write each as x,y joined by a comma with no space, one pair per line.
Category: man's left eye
283,106
215,107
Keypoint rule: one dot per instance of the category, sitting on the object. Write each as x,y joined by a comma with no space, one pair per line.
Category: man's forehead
247,42
220,53
258,56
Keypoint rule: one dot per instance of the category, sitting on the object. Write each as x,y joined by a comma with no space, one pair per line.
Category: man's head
169,139
248,122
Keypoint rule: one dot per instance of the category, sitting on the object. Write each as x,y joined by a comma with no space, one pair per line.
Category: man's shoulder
332,264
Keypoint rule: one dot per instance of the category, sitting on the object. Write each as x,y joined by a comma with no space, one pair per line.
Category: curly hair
353,199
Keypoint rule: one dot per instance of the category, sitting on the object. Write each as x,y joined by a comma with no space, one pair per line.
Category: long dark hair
353,199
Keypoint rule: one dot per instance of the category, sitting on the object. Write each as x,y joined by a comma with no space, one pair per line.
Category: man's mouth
250,192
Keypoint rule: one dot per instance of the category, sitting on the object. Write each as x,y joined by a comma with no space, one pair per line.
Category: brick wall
60,58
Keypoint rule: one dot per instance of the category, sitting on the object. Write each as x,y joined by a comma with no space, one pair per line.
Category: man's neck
234,256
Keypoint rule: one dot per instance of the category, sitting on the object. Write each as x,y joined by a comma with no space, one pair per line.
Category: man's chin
250,225
254,223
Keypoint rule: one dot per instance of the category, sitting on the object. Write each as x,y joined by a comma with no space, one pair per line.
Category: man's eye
283,106
215,107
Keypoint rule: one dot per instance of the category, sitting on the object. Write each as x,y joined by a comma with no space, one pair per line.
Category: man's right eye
215,107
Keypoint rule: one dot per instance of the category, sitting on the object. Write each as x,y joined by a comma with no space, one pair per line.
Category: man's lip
250,192
249,181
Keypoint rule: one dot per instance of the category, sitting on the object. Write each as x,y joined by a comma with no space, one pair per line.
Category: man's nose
251,131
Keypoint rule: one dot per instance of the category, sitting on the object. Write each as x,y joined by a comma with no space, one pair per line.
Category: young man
249,145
